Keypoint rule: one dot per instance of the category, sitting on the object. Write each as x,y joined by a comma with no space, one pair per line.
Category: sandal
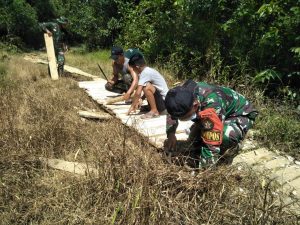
149,115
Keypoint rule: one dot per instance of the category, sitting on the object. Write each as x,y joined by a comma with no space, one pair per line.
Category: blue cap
179,100
115,52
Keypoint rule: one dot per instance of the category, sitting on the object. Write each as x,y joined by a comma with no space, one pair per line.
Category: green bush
219,39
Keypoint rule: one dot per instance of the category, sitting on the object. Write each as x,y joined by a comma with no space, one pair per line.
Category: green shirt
57,33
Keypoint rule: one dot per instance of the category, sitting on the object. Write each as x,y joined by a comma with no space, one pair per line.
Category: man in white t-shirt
152,83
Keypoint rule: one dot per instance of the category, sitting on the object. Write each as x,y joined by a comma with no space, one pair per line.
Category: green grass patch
280,128
94,56
87,61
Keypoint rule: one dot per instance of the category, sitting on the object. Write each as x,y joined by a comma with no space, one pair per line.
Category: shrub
280,128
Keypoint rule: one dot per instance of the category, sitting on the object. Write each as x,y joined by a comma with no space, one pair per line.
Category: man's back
226,101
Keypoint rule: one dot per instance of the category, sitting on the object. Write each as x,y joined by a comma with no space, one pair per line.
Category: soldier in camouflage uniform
221,117
129,78
57,30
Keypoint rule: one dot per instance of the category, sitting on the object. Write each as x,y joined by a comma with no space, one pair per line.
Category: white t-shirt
125,67
155,78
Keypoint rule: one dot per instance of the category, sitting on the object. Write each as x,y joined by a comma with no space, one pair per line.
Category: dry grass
135,185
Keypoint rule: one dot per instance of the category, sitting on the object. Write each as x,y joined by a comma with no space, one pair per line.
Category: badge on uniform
211,136
207,124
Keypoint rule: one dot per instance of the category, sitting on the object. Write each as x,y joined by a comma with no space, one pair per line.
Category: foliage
18,24
280,128
221,39
96,23
216,40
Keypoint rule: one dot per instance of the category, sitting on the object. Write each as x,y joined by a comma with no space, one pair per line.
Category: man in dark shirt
57,31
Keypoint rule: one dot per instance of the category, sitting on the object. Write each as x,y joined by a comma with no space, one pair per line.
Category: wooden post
51,57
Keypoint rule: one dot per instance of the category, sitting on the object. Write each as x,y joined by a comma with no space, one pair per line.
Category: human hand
170,143
132,108
126,96
66,48
49,33
111,82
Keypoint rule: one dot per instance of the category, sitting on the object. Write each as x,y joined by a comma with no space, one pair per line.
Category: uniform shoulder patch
207,124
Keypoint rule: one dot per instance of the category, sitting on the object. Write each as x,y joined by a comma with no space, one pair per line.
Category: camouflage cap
131,52
136,59
62,20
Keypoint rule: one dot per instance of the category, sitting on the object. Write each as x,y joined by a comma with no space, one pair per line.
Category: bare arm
115,73
135,102
133,84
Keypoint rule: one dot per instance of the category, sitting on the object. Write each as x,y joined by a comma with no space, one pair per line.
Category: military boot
60,70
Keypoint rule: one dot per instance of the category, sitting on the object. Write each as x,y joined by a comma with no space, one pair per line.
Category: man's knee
60,58
149,88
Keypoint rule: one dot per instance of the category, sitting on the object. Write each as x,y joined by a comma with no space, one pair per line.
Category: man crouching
152,83
221,117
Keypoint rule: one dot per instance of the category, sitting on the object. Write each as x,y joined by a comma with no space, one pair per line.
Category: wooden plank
35,59
66,67
95,115
111,101
51,56
71,167
90,84
255,157
78,71
286,174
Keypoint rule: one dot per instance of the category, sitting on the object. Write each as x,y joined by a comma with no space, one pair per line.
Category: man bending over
152,83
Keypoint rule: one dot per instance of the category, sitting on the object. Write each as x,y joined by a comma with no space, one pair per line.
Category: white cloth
155,78
125,67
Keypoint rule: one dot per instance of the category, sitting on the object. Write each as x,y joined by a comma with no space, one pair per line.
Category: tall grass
87,61
135,184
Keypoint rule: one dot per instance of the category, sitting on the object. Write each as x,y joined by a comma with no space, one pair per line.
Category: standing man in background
57,31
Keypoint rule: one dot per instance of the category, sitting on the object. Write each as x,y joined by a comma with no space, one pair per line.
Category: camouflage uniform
58,41
235,112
